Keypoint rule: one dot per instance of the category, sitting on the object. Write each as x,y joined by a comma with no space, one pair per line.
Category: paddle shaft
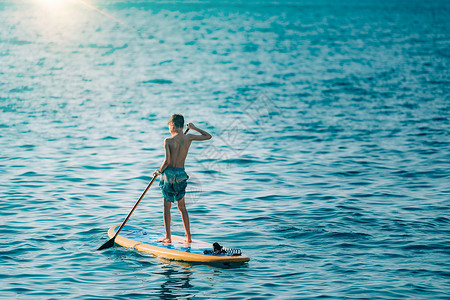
134,207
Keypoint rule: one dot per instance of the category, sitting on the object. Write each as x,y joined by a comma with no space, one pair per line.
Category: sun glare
54,4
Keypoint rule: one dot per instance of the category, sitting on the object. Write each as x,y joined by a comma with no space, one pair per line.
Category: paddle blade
107,245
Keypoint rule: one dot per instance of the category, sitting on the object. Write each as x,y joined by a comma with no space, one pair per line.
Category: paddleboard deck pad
147,241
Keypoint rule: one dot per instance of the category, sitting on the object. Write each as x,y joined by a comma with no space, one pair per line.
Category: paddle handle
186,131
134,207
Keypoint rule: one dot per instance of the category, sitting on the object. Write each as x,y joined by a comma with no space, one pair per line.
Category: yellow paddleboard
146,241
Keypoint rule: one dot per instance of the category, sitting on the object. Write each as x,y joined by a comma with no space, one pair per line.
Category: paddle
110,243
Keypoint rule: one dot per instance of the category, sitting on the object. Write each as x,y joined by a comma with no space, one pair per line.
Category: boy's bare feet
165,240
187,240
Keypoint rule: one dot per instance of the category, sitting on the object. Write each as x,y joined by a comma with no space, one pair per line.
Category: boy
173,177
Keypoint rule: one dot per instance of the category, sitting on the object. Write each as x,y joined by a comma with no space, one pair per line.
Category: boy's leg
166,210
185,217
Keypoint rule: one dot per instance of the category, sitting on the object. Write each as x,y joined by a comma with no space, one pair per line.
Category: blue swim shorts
173,183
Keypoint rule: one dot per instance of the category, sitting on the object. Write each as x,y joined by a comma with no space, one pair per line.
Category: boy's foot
165,240
187,240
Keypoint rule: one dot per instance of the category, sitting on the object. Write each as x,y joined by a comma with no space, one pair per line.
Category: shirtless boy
173,176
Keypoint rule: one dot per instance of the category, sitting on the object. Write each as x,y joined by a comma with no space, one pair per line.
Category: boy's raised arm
194,137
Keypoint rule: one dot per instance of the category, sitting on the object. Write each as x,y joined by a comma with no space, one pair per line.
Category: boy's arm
194,137
166,159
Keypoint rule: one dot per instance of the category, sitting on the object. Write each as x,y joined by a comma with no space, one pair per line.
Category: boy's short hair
177,120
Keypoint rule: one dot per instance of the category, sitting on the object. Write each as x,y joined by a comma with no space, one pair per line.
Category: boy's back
177,148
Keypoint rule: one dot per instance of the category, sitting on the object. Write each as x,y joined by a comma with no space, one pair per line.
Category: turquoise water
329,163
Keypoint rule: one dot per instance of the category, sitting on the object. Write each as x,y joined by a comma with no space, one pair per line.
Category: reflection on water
177,276
175,282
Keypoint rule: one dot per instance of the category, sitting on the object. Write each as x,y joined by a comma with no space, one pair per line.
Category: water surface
329,165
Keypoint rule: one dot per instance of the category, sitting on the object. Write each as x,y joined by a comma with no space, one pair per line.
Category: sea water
329,163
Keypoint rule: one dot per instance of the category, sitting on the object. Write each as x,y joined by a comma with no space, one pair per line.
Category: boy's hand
195,137
156,173
191,126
